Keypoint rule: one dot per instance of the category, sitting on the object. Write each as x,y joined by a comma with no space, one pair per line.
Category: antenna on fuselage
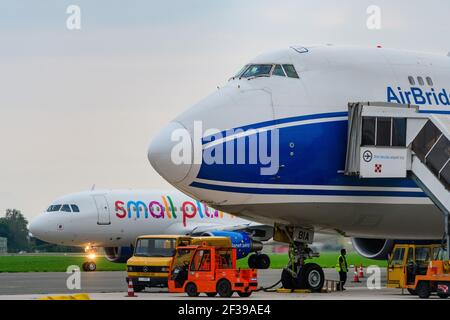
93,187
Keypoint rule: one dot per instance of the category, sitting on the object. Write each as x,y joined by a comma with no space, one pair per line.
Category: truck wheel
244,294
224,288
211,294
252,261
191,290
263,261
312,277
412,292
443,295
423,290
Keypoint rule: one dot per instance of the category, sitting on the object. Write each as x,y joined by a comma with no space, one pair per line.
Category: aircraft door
102,210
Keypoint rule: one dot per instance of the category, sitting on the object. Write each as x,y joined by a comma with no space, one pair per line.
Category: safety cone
355,275
361,271
131,289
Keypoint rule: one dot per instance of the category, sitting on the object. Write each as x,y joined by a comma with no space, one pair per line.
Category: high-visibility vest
344,267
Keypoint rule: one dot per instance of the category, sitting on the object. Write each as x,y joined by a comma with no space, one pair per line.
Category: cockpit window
243,69
66,208
257,70
54,207
266,70
278,71
63,207
290,70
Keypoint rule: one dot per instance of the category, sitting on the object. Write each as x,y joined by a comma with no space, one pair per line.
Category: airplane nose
170,152
38,228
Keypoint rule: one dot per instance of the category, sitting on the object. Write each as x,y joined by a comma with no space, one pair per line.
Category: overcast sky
79,108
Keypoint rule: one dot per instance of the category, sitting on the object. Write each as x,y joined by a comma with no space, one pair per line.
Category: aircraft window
241,71
278,71
257,70
75,208
411,81
420,79
429,81
54,208
290,71
65,208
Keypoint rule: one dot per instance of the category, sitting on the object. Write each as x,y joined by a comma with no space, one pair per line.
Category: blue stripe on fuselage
280,121
309,192
319,155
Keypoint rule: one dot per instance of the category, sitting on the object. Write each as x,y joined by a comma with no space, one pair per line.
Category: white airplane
297,98
113,219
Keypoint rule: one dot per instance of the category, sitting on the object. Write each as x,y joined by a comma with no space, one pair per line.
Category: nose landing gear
90,264
299,274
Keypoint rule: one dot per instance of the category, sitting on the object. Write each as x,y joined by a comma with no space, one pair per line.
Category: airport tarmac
112,286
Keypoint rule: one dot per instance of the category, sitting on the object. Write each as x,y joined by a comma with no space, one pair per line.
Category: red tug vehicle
211,270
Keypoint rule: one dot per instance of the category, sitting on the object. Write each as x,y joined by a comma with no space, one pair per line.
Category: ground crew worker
342,269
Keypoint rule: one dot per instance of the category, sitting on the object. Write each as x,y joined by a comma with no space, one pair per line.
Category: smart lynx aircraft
112,219
297,99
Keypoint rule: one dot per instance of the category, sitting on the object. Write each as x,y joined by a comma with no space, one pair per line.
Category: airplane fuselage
114,218
309,113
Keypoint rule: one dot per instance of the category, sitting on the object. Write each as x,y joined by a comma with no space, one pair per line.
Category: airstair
387,140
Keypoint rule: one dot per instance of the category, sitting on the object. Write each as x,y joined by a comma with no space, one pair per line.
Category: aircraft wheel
263,261
89,266
311,277
191,290
252,261
224,288
423,290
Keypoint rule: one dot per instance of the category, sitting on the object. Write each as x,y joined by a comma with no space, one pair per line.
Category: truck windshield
161,247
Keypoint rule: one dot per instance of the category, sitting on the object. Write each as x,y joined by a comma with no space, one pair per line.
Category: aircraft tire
91,266
262,261
252,261
311,277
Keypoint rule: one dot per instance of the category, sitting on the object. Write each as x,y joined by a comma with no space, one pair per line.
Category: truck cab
408,261
153,254
210,270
